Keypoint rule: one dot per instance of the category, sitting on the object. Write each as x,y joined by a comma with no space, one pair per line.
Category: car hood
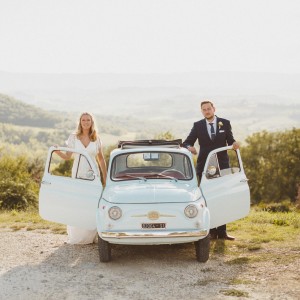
151,193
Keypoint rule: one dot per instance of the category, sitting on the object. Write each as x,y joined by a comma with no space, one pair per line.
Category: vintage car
151,195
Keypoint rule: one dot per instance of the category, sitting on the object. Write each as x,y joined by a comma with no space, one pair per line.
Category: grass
255,235
238,281
261,236
28,220
239,261
234,293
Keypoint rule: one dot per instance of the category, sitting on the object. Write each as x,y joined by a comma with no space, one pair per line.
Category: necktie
212,131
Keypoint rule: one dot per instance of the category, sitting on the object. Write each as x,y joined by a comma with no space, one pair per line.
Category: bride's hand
56,151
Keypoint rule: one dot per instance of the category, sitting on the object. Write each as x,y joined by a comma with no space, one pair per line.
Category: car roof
150,143
119,151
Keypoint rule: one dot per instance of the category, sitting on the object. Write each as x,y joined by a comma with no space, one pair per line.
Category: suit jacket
223,138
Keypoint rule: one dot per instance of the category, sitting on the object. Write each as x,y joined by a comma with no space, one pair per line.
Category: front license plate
153,225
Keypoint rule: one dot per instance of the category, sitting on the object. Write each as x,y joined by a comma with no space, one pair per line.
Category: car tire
104,250
202,249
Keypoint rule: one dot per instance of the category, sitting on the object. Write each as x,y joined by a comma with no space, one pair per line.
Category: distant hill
16,112
25,124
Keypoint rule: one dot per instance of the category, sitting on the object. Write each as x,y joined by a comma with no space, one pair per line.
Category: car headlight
115,213
191,211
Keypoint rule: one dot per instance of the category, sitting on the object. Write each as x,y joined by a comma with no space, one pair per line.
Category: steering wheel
172,170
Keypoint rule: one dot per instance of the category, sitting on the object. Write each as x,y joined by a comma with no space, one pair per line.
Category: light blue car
151,196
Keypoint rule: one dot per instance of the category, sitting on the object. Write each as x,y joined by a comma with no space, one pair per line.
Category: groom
212,132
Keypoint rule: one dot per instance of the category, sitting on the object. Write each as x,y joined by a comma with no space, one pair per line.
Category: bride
85,138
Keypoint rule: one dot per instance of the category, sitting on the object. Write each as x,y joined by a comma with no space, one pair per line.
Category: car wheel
202,249
104,250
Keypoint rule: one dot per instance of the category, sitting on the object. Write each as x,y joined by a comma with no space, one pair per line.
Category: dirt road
36,265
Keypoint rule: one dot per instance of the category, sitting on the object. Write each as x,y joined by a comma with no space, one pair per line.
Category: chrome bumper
154,234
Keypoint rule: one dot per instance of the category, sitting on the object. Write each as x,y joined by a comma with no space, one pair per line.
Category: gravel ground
40,265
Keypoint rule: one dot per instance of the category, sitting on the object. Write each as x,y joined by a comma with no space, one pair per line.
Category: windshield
151,165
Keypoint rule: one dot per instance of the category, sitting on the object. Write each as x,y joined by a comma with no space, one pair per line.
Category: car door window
222,164
77,167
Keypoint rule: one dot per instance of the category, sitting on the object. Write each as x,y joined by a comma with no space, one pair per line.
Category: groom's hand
235,146
192,150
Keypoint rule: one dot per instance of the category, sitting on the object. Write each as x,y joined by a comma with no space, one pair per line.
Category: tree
272,163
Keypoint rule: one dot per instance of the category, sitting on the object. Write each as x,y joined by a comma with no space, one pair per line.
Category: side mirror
211,171
90,175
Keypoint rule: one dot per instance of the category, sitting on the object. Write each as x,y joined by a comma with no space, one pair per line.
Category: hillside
16,112
25,124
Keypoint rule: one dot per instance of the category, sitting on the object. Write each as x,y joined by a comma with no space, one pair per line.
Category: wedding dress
79,235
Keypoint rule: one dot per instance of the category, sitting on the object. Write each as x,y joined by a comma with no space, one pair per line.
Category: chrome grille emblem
153,215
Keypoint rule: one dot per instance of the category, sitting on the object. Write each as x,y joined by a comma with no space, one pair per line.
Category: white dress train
81,236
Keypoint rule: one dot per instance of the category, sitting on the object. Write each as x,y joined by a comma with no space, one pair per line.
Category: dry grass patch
238,261
28,220
234,293
238,281
203,282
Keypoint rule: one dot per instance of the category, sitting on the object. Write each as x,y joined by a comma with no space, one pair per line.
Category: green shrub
271,161
283,206
18,187
16,195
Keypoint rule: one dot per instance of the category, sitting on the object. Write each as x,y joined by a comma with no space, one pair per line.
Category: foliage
165,136
18,184
272,163
64,168
106,152
16,195
283,206
34,138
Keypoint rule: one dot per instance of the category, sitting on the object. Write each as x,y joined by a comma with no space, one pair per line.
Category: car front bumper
153,237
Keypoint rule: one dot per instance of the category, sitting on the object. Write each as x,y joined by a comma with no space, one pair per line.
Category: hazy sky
146,36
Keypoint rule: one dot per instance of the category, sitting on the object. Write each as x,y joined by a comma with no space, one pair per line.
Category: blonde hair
93,129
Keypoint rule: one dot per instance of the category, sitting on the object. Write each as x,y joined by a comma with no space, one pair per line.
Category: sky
149,36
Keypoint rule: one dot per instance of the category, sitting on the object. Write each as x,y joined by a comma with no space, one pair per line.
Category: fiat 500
151,195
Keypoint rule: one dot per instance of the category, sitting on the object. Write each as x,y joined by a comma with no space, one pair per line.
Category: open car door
70,189
224,186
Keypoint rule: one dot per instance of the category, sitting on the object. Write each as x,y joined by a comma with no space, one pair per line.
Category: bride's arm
102,164
65,156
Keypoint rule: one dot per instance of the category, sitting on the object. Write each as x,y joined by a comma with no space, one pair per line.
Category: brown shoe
226,236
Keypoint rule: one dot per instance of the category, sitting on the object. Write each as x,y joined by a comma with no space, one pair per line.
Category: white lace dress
78,235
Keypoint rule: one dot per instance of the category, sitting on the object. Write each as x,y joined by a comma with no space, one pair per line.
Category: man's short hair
206,102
